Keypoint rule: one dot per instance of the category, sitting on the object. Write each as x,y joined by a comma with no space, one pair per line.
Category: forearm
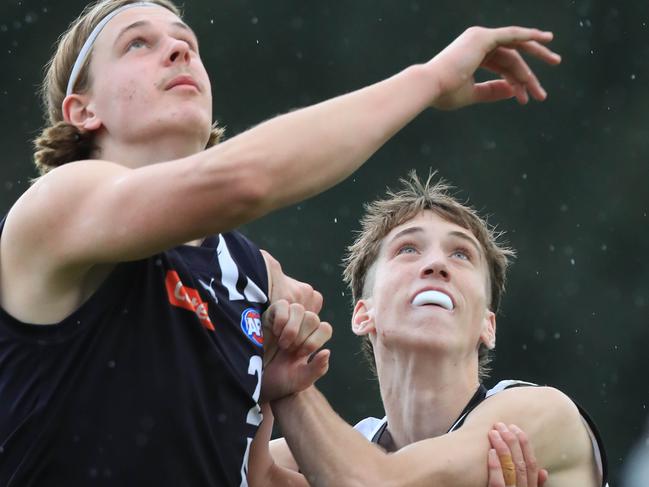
279,162
328,451
304,152
314,148
331,453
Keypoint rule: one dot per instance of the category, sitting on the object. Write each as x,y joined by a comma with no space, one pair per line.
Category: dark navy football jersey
153,381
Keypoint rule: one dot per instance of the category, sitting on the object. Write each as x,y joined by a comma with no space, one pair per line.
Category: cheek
132,91
121,95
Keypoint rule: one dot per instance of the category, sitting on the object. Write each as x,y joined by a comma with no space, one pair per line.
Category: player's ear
78,111
488,334
363,317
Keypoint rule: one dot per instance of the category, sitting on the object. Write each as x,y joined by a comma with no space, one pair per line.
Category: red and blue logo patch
251,326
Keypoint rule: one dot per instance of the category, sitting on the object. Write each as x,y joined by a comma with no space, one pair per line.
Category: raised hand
291,335
499,51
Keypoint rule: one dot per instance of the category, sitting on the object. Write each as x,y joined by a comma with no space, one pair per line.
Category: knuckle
502,448
509,437
521,467
274,266
284,312
290,331
311,318
296,308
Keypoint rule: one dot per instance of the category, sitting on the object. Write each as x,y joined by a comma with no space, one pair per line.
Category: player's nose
178,52
435,266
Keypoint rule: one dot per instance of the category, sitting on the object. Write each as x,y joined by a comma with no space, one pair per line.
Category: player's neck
135,154
423,395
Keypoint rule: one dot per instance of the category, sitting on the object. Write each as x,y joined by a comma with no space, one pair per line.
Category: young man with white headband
427,275
130,340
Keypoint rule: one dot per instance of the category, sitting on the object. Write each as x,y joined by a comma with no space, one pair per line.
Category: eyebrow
141,23
406,231
464,236
453,233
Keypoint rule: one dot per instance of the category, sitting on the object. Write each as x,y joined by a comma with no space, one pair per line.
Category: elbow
249,185
252,177
251,193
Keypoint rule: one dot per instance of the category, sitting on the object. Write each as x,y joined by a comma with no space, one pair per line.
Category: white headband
87,46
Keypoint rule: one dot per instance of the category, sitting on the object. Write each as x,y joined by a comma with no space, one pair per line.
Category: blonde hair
415,196
61,142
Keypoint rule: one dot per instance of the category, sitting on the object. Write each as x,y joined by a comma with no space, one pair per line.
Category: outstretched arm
330,452
60,238
508,445
125,214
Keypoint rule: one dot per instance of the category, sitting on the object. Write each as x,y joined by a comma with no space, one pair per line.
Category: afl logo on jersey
251,326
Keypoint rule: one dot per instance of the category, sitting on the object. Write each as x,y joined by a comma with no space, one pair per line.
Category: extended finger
504,36
492,91
517,455
528,456
496,478
504,457
316,340
317,366
511,65
540,51
290,331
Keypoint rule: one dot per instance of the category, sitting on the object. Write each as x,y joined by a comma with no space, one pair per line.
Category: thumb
316,367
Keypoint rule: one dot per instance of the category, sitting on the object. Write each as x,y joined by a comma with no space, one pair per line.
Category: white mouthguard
433,297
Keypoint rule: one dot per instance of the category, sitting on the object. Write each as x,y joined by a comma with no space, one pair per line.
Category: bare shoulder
39,217
62,185
36,238
535,409
65,183
552,422
533,399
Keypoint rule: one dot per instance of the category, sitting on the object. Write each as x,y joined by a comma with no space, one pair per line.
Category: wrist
426,80
291,401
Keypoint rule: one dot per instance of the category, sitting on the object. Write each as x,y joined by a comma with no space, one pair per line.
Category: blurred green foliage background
567,179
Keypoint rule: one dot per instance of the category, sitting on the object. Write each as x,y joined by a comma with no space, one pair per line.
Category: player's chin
425,336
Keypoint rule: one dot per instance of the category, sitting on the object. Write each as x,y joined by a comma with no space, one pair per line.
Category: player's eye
136,43
462,253
406,249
